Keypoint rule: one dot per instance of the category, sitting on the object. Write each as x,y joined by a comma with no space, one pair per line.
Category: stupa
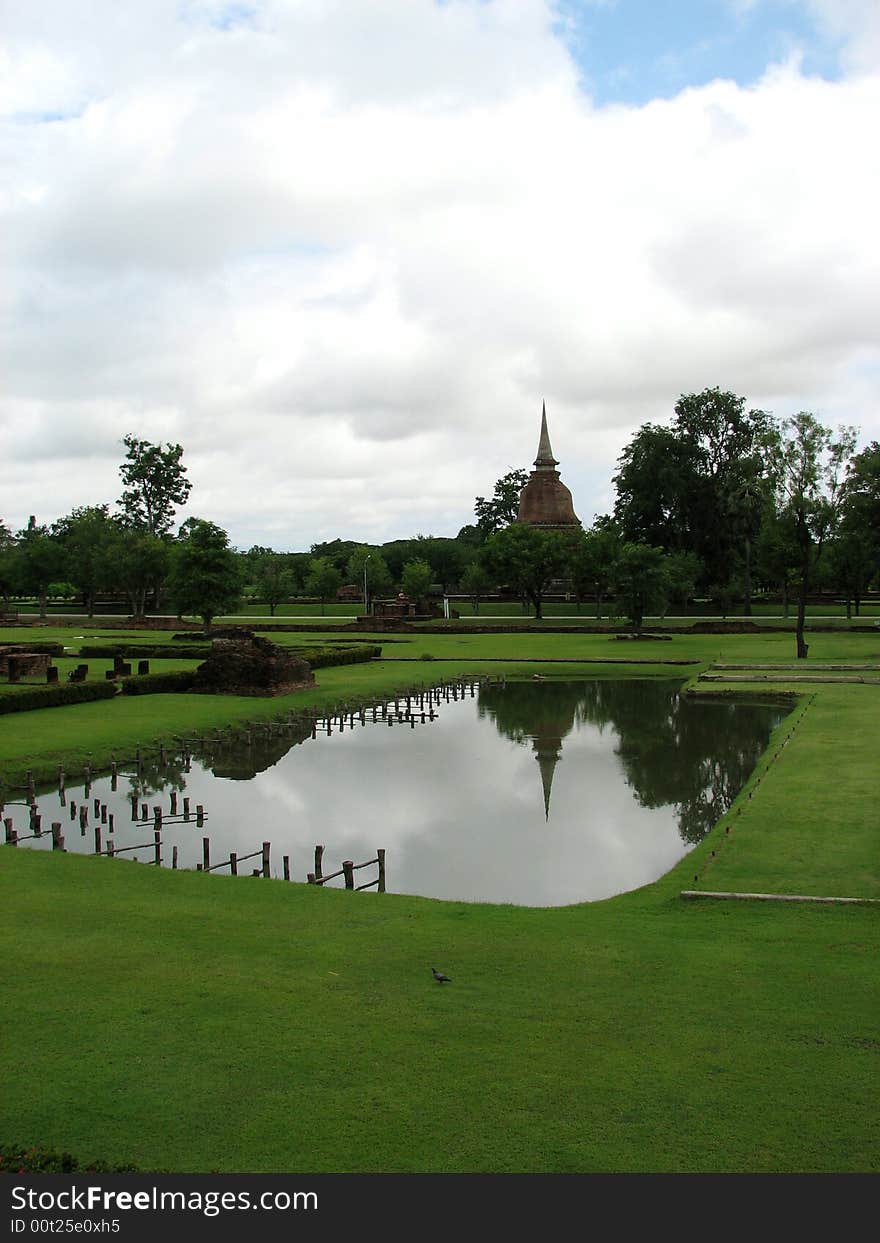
545,501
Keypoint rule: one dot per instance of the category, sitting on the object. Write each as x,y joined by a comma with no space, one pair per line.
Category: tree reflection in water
692,754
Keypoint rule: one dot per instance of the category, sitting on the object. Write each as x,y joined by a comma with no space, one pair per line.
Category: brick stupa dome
545,501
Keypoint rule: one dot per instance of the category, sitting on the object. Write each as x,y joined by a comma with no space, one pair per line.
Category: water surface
539,793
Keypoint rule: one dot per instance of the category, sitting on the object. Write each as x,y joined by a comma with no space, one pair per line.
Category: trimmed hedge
56,696
45,648
322,657
159,683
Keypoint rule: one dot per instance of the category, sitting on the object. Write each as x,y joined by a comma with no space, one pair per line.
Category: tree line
721,501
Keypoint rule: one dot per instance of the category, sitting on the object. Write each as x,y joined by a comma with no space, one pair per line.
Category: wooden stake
266,847
380,855
174,857
348,869
233,863
206,854
285,861
319,855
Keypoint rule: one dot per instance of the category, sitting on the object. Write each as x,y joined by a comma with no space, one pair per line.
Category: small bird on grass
440,977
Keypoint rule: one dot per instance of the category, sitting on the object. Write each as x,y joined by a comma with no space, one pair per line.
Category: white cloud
343,258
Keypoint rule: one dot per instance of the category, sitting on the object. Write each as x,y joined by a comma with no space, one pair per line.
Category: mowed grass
186,1022
195,1023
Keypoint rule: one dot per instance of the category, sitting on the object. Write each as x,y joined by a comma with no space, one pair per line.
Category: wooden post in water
97,839
174,857
72,810
36,822
57,839
266,847
380,855
103,813
114,775
8,829
97,806
206,853
134,806
285,862
173,802
145,811
319,855
157,818
233,863
111,823
348,869
83,816
186,808
157,845
200,815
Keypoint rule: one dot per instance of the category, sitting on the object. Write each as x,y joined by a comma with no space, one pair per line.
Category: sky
342,250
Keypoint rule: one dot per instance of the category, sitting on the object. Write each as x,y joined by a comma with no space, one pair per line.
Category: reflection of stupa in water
542,715
548,752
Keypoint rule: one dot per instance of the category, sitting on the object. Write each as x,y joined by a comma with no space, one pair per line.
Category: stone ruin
249,665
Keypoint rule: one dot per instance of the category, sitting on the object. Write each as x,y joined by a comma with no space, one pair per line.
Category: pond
539,793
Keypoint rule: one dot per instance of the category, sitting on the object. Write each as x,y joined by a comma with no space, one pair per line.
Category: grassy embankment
193,1023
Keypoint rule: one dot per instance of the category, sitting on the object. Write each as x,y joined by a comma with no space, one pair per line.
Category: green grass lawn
185,1022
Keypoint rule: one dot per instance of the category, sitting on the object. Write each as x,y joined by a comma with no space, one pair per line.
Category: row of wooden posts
348,869
408,707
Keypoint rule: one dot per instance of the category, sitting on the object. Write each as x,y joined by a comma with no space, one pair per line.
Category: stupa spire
545,459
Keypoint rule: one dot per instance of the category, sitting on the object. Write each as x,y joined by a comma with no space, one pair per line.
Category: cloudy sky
341,250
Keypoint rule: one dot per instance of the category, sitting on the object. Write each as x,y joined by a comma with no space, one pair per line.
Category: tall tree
137,561
674,484
641,580
416,579
528,559
592,559
475,581
38,560
503,506
323,580
205,576
273,579
155,483
807,467
86,536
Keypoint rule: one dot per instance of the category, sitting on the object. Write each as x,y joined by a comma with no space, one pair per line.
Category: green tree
273,580
527,559
38,560
137,561
86,536
641,580
776,553
807,468
592,559
475,581
205,576
155,483
416,579
8,568
367,565
683,572
503,506
443,556
673,483
323,580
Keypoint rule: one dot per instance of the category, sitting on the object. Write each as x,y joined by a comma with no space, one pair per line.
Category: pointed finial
545,459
